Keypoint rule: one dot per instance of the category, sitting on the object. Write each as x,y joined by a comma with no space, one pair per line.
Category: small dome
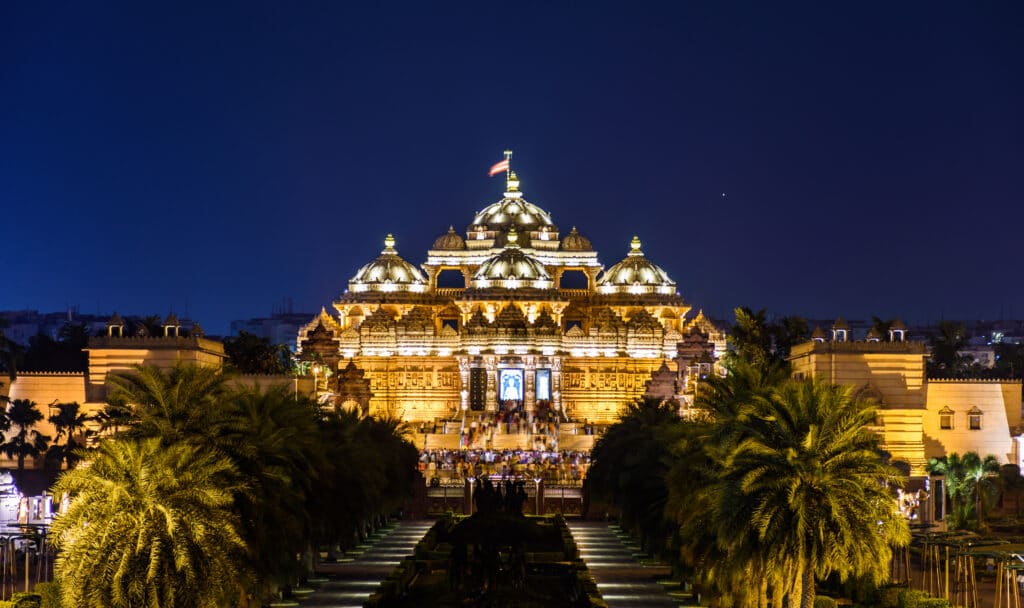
574,241
389,272
635,274
512,211
449,241
512,268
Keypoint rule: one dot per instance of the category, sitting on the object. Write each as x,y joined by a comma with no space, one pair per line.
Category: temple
513,315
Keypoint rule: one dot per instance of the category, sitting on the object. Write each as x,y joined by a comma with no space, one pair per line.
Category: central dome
389,272
512,268
513,211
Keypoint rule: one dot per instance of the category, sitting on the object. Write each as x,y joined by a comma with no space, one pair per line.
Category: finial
512,182
634,245
513,237
389,241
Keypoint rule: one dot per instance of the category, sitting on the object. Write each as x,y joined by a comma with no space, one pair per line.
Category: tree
786,333
797,491
750,336
968,479
149,525
629,463
23,415
882,327
273,439
11,352
64,354
250,354
735,570
69,422
181,404
945,360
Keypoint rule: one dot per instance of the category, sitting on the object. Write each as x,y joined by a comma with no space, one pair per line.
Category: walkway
621,579
351,583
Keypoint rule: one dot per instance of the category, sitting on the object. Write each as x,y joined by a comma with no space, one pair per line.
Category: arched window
946,419
974,419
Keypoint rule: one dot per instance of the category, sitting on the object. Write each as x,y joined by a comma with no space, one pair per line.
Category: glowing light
473,350
547,351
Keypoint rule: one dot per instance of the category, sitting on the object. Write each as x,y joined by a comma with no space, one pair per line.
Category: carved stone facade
511,331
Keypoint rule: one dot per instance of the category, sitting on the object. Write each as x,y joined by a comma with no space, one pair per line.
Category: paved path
621,579
351,583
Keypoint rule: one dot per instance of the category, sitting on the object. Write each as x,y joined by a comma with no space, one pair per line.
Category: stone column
463,383
529,386
556,384
491,364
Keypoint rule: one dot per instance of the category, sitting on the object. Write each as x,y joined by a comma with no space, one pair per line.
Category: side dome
449,241
512,268
574,241
388,273
513,211
635,275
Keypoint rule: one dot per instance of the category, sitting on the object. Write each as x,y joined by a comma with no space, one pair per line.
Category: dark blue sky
219,157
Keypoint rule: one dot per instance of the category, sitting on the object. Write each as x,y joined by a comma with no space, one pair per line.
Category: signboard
510,384
543,384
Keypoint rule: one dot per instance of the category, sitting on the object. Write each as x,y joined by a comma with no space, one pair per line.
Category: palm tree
750,336
706,541
149,525
183,403
967,478
810,481
69,422
23,414
629,463
274,441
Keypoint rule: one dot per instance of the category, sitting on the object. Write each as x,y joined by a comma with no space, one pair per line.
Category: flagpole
508,169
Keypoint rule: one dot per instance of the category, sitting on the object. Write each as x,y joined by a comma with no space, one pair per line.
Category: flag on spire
498,168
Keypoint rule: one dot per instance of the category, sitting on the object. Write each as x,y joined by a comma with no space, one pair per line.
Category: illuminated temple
530,318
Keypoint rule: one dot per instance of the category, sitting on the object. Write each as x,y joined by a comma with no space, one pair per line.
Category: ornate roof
512,211
449,241
635,274
512,268
574,241
389,272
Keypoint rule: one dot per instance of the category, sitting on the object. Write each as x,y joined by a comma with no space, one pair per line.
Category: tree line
201,494
777,485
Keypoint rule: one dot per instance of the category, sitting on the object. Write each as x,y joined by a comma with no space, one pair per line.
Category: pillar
529,388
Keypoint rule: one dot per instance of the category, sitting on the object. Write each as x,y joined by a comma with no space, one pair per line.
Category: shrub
913,598
26,600
50,593
823,601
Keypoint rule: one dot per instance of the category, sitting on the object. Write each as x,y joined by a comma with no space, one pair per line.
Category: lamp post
471,479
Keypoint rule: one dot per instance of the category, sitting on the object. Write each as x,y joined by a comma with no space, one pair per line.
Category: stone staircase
350,582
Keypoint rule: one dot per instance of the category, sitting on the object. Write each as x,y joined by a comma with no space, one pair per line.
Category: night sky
212,159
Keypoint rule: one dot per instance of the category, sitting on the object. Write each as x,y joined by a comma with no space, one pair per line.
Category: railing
574,292
449,292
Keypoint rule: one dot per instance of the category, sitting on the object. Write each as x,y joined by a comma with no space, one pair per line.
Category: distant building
919,417
279,327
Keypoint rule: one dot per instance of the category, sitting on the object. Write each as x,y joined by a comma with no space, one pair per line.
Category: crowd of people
542,424
439,466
